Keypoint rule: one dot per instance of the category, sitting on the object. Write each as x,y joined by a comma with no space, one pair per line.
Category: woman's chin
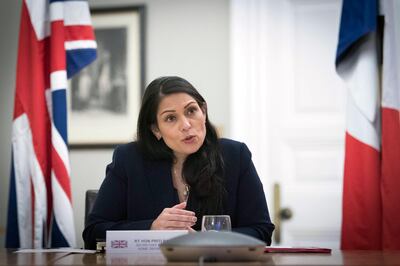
190,149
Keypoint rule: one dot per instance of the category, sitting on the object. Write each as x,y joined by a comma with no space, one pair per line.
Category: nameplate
139,241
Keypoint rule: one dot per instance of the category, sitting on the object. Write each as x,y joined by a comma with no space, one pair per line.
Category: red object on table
297,250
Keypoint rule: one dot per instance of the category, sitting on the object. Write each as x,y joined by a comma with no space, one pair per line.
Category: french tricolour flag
371,188
56,40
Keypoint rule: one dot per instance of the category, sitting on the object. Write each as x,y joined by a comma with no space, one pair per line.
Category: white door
288,106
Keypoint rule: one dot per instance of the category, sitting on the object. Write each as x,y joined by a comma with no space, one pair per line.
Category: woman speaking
177,171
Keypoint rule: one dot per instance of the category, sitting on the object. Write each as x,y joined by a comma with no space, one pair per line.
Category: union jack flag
56,40
119,244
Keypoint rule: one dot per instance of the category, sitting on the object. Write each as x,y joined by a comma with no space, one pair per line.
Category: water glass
216,223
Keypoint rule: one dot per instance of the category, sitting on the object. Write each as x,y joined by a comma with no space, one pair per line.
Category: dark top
136,190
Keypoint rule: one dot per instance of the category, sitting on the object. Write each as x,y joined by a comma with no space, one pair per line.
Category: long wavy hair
203,170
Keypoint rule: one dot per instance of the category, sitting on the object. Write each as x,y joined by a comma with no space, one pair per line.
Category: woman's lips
189,139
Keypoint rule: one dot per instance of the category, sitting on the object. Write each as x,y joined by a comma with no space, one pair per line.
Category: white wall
189,38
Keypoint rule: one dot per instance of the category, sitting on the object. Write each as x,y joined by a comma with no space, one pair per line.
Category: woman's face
181,124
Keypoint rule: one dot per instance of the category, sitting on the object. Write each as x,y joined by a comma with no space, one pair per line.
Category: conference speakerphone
213,246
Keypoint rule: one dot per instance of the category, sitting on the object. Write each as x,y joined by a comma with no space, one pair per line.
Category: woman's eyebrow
173,110
189,103
167,111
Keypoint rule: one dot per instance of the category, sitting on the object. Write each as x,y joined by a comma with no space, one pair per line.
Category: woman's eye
170,118
191,110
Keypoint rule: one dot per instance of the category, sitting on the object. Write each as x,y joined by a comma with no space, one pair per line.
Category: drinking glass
216,223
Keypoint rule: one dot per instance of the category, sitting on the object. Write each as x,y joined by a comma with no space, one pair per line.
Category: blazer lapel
158,174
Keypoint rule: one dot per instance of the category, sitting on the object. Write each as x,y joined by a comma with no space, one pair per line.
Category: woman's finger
181,205
175,217
179,212
178,225
182,218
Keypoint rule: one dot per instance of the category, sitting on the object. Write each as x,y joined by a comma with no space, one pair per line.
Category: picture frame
104,97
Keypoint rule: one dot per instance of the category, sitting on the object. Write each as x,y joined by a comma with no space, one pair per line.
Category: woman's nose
185,124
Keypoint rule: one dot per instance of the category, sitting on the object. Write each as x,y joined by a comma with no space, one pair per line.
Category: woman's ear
156,132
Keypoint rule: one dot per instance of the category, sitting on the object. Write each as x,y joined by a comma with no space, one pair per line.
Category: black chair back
90,198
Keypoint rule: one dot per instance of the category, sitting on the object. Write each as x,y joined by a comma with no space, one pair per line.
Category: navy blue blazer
136,190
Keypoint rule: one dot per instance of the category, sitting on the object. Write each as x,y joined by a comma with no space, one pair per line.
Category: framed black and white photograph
104,98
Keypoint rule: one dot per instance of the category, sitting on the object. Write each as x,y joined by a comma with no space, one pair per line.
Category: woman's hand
175,218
